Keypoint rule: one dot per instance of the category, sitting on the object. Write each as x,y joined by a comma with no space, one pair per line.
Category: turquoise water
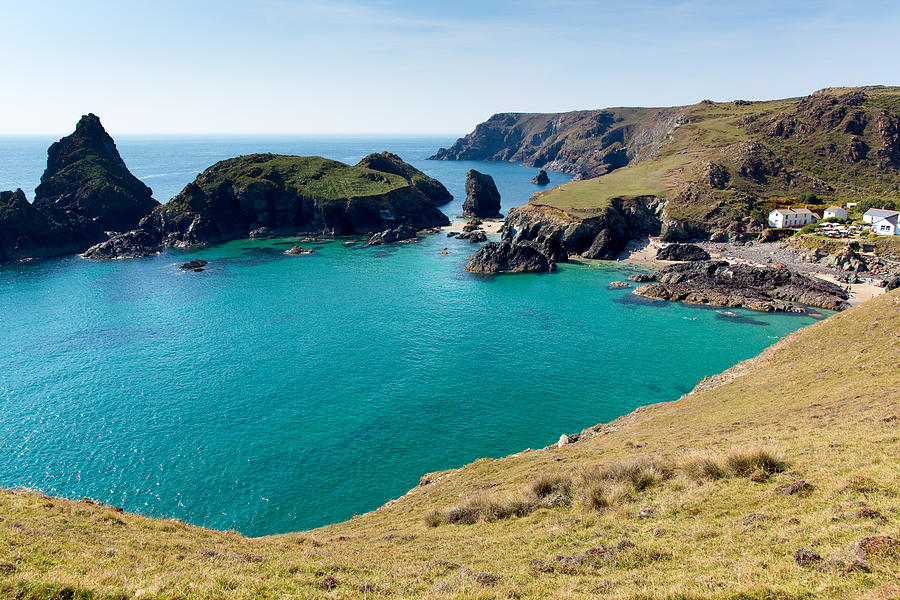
275,393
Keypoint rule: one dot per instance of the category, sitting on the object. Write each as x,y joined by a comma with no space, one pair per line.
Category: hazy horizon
398,67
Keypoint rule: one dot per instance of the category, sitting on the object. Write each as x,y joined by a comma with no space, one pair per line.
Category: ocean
274,393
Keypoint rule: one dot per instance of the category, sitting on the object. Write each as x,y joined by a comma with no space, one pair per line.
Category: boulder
682,252
893,283
541,178
496,257
298,250
389,236
482,197
131,244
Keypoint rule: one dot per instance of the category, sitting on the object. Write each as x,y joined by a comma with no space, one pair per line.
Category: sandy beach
487,225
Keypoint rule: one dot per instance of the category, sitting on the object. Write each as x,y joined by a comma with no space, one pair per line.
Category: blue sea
274,393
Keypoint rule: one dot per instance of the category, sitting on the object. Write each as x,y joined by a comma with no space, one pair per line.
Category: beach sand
488,226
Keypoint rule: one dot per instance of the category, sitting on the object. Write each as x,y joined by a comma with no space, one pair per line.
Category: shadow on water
733,317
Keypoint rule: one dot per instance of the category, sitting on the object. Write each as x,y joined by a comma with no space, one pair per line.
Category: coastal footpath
776,479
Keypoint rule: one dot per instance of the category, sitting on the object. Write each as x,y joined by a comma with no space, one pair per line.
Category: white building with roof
791,217
883,222
834,212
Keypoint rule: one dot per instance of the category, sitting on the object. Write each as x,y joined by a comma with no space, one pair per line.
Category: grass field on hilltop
701,521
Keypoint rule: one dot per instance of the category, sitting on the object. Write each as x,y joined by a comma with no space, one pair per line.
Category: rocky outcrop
87,178
86,192
131,244
496,257
682,252
389,236
718,283
541,178
387,162
482,197
289,195
559,235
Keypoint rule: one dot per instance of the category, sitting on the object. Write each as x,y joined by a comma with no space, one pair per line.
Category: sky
416,66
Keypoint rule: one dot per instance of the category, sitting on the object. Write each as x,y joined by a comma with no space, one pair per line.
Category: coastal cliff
708,168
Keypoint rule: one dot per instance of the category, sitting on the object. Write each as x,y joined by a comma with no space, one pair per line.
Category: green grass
823,404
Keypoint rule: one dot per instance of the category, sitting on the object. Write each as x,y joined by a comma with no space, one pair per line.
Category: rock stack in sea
541,178
482,197
85,193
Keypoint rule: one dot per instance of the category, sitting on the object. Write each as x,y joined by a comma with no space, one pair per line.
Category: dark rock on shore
389,236
718,283
893,283
86,192
496,257
131,244
482,197
682,252
289,195
541,178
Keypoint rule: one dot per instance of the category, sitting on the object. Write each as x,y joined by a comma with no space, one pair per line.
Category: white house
834,212
874,214
791,217
888,224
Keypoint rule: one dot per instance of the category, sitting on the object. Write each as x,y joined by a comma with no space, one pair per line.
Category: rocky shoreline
720,283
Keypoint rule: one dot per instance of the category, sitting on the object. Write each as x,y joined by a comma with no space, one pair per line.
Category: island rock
482,197
541,178
682,252
496,257
289,195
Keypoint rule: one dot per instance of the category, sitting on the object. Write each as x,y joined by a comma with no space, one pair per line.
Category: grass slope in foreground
826,400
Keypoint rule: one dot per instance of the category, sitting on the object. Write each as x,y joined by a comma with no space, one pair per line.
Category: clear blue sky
356,66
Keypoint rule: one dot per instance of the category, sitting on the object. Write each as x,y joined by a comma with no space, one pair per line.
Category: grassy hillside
716,163
696,498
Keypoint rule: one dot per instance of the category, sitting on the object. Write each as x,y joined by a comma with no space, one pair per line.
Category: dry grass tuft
703,467
546,485
756,464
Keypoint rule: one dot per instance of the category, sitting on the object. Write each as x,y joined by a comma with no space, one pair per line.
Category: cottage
874,214
887,224
791,217
835,212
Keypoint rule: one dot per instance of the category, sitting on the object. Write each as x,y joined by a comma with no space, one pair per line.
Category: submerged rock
482,197
195,264
718,283
397,234
496,257
541,178
682,252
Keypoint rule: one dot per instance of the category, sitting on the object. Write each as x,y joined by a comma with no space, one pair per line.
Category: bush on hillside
807,198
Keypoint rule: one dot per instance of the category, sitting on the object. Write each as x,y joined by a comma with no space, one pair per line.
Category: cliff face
285,195
560,235
584,143
85,192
